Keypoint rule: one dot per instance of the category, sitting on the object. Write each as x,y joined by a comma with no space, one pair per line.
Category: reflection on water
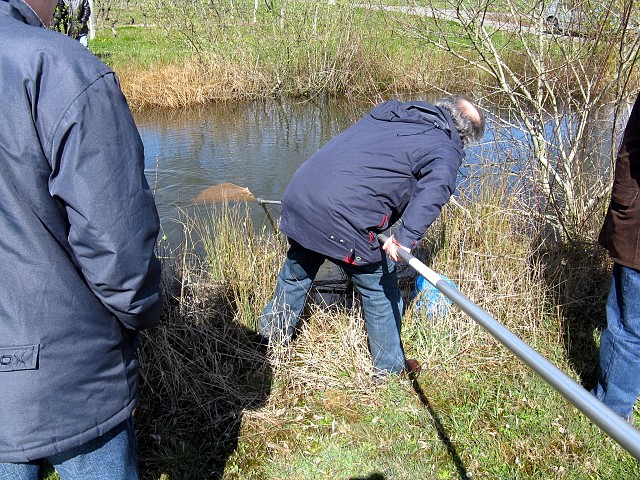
255,145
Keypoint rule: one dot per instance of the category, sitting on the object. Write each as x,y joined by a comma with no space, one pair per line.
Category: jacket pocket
623,202
19,358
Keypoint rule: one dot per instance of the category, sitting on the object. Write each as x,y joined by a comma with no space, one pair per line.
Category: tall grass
201,369
213,405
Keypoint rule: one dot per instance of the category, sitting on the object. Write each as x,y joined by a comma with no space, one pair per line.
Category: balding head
466,116
469,110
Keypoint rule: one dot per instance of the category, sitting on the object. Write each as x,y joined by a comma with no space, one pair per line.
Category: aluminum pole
610,422
262,201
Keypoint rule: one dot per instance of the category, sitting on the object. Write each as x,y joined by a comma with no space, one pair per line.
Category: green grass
197,52
137,45
190,53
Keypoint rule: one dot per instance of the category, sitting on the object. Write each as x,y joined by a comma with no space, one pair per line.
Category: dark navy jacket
78,227
400,160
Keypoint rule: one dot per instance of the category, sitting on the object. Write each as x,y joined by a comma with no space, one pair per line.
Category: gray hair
467,118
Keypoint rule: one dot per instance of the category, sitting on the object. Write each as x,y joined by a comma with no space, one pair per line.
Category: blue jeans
381,302
618,380
109,457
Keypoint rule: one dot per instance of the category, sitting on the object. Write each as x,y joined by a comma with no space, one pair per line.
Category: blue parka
400,160
78,225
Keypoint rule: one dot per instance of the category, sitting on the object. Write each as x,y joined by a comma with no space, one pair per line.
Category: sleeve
86,13
60,16
98,175
436,173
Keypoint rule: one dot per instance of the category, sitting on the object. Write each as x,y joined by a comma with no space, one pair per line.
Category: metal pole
610,422
262,201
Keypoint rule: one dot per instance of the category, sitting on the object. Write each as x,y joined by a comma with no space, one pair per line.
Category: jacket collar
430,113
412,112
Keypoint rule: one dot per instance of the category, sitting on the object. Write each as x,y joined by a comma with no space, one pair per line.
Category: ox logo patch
19,358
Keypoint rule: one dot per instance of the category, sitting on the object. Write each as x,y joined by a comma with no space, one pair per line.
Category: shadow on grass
373,476
578,278
442,433
200,372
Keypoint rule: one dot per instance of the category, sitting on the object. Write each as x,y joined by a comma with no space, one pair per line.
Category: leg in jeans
21,471
382,306
113,456
109,457
279,318
618,383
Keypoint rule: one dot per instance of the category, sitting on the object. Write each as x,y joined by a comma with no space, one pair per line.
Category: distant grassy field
181,58
144,47
180,54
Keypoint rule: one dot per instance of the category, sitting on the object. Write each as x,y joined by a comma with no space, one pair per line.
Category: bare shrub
554,88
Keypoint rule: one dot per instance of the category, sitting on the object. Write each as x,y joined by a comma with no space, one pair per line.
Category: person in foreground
400,160
618,380
80,277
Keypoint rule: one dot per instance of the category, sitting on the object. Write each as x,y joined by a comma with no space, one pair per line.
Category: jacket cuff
406,238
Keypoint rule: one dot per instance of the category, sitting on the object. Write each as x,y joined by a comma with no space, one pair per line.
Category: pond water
259,145
256,145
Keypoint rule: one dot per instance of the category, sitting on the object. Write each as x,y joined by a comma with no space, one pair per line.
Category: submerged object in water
224,192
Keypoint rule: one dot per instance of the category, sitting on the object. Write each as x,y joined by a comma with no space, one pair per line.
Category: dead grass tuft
191,83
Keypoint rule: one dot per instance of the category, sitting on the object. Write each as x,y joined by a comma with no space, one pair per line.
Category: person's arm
60,22
86,13
98,174
436,174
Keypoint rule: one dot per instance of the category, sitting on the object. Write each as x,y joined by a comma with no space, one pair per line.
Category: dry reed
192,83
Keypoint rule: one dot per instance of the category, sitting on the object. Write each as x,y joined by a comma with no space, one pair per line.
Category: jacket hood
412,112
20,11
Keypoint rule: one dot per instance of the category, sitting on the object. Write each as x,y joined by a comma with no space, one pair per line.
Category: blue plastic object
429,298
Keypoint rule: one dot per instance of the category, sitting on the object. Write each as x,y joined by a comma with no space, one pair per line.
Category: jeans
381,302
109,457
618,380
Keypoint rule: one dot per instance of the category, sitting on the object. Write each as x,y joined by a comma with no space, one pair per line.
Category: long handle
262,201
618,429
